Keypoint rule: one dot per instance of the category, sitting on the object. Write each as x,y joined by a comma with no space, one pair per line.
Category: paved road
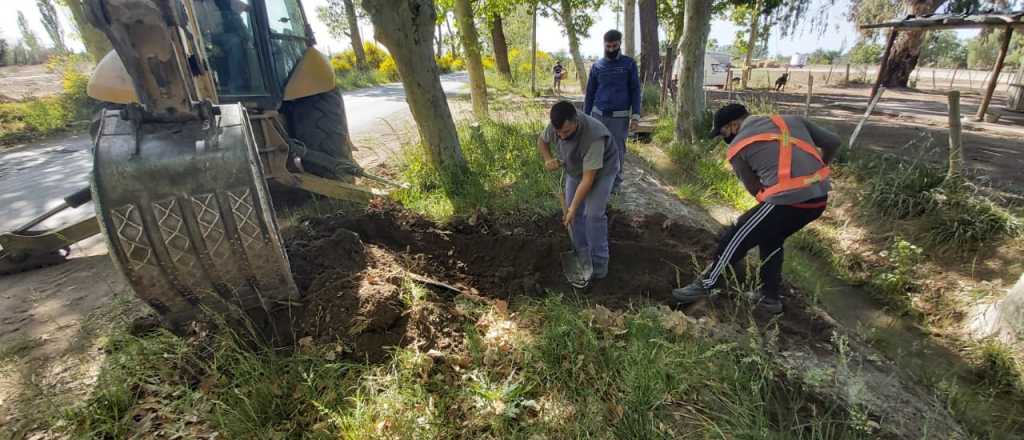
35,178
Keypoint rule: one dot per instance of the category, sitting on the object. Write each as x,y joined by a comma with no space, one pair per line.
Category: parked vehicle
716,68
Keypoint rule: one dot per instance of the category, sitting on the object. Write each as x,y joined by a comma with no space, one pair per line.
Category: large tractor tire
320,123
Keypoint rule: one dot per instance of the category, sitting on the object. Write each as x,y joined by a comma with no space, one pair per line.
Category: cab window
230,44
288,37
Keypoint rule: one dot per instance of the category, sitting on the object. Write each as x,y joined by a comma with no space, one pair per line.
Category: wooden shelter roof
1013,19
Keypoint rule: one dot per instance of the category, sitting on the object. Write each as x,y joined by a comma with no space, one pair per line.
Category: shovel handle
561,202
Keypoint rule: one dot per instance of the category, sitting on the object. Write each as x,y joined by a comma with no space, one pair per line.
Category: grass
705,176
505,174
358,79
954,211
37,117
543,368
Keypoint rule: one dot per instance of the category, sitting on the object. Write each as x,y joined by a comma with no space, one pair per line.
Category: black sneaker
764,303
692,293
769,305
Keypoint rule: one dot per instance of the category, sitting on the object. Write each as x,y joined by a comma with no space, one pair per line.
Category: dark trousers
766,226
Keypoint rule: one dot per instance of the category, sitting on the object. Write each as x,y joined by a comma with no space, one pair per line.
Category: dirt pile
351,269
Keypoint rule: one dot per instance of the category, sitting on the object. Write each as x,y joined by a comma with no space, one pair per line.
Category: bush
47,115
899,190
955,211
380,68
449,63
650,98
389,70
962,217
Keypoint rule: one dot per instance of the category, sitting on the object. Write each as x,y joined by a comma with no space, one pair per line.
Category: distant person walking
613,94
559,72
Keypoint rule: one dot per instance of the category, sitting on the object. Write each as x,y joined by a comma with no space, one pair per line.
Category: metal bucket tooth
187,216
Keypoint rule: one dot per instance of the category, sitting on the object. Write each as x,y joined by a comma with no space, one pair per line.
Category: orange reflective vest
786,143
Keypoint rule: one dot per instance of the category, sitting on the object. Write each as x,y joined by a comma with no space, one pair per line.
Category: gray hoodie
757,165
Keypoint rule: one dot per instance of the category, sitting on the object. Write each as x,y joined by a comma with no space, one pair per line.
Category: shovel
577,266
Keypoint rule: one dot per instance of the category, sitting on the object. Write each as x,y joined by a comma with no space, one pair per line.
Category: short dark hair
562,112
612,35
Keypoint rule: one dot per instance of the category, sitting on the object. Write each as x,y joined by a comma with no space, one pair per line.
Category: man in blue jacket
613,94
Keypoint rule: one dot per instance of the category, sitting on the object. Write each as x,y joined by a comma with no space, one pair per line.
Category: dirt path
913,124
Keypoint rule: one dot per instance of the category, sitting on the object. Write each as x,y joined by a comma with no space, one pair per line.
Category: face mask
611,54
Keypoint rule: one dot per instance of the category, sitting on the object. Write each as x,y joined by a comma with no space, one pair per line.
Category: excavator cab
209,100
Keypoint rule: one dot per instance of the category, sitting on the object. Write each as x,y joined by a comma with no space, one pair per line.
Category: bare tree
690,106
650,61
500,46
28,36
51,23
475,65
406,28
629,28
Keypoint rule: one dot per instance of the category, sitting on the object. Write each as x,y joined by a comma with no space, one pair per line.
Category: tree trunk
500,47
650,62
907,47
440,41
453,48
574,43
690,104
533,53
406,29
1003,319
751,43
471,47
629,31
353,32
96,43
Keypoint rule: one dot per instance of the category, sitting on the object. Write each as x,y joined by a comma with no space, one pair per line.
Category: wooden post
951,81
810,92
917,76
970,80
933,78
863,119
885,61
666,77
768,78
956,151
830,67
846,82
987,99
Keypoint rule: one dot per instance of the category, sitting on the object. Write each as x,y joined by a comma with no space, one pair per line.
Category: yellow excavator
207,100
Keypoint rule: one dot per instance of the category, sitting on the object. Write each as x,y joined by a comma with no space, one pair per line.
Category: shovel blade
577,267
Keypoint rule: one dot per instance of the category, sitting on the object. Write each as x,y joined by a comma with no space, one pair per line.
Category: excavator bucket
188,219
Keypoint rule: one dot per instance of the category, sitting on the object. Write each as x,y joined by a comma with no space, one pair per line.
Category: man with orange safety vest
777,159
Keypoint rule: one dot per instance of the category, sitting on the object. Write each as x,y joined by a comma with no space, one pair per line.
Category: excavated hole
351,269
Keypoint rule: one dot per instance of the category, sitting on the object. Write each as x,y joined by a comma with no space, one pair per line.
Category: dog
780,84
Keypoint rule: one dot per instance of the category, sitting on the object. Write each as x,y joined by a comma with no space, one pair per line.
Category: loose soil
352,268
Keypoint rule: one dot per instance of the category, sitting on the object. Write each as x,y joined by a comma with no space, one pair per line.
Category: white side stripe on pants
734,242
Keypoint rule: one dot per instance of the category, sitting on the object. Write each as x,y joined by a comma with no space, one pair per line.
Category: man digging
613,94
588,154
777,160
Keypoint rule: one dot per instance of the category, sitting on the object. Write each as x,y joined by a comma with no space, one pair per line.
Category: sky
841,33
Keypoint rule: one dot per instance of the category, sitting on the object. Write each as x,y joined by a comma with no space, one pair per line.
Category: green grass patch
954,211
709,179
505,174
358,79
35,117
547,368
